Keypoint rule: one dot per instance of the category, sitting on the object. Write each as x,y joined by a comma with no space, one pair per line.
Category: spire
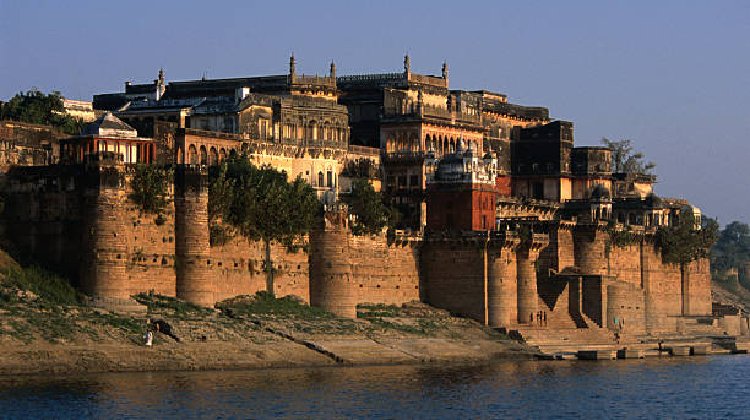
159,82
333,70
291,66
445,70
407,64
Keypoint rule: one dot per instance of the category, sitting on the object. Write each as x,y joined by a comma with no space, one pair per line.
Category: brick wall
384,273
454,276
624,263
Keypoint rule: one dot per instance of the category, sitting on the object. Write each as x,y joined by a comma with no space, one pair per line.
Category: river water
695,387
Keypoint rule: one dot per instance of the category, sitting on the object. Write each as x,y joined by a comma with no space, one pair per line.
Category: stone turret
407,65
333,70
192,237
502,292
590,242
104,273
527,257
331,284
292,70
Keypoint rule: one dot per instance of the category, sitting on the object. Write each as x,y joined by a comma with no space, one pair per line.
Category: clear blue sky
673,76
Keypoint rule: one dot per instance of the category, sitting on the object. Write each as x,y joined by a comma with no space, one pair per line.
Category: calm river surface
696,387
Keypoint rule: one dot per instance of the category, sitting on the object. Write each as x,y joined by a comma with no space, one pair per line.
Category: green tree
682,243
262,205
38,108
732,249
150,187
626,159
367,205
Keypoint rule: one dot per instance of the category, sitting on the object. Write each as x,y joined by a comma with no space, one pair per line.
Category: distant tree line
732,249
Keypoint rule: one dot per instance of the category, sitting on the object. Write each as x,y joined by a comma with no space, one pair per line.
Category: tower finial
292,63
333,70
445,70
161,74
407,64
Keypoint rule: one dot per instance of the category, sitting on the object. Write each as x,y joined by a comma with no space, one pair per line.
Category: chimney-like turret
292,71
333,70
407,64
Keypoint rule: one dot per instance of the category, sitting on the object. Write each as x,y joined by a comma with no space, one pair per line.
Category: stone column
527,255
528,297
104,271
502,282
192,237
331,284
590,249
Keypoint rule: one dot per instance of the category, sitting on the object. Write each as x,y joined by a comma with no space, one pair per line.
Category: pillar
192,237
104,273
331,284
590,243
502,284
528,297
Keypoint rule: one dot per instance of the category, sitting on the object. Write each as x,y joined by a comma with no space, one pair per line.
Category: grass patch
378,311
403,328
52,325
159,303
48,286
264,304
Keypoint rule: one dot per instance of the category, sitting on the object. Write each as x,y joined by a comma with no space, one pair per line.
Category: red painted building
462,193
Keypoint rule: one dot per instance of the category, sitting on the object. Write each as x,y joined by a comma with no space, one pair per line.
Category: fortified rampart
80,221
571,271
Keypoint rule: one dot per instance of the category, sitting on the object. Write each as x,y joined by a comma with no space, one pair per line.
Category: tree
150,187
682,243
37,108
262,205
367,205
626,159
732,248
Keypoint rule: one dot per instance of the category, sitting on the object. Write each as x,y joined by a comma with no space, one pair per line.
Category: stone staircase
565,333
697,327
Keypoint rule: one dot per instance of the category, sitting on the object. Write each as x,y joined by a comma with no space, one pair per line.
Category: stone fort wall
79,221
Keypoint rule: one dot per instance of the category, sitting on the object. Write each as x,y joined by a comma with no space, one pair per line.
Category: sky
672,76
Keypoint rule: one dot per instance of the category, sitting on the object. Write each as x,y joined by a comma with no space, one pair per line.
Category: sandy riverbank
39,337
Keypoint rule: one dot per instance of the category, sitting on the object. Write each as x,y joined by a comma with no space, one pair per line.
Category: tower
331,284
104,272
192,237
292,65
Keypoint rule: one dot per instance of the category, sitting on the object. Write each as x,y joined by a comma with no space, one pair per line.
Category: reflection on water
691,387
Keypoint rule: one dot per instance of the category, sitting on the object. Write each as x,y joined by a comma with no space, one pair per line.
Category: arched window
213,157
321,179
192,155
204,155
